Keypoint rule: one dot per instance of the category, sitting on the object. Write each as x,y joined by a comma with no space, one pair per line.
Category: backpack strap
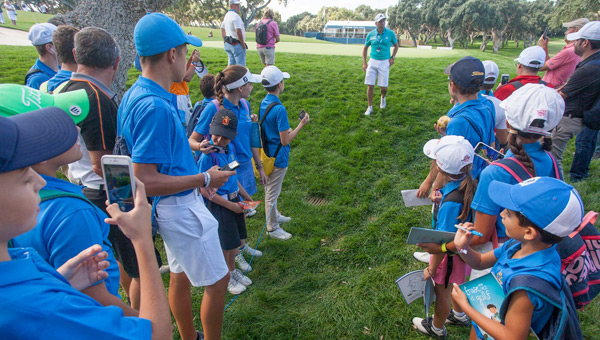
263,136
50,194
557,173
44,87
32,71
513,167
589,218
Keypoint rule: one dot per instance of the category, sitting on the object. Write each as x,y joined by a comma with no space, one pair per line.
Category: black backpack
261,32
194,117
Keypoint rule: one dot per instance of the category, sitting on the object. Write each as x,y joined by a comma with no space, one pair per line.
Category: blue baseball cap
549,203
467,72
34,137
156,33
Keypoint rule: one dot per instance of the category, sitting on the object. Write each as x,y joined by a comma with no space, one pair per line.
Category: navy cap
468,72
33,137
224,123
156,33
549,203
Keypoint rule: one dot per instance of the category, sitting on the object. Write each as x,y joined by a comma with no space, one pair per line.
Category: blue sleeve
500,250
368,40
461,127
152,134
282,119
482,201
206,117
205,162
36,79
447,216
394,39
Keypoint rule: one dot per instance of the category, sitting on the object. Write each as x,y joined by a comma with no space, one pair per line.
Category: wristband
462,251
259,165
206,179
446,250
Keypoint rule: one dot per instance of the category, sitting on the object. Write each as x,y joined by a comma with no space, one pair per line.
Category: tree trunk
496,40
118,17
450,39
472,38
484,43
414,39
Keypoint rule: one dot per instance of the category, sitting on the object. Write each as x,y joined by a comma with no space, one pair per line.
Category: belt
231,196
99,187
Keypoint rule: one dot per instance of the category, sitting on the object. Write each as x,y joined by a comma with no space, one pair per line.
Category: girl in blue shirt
453,157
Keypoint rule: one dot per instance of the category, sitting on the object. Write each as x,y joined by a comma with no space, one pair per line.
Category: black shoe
200,335
425,326
455,320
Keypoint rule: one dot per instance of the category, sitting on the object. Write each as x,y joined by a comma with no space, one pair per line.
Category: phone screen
118,181
504,79
302,114
488,153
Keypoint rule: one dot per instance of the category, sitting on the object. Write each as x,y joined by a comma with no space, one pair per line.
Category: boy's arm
425,187
518,315
136,225
475,260
160,184
217,199
261,170
288,136
100,293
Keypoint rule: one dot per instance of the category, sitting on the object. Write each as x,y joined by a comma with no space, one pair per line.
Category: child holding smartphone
453,157
538,213
224,204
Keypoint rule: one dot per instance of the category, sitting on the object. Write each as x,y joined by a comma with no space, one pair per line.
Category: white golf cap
534,108
379,17
491,71
249,77
272,76
40,34
234,2
591,31
579,23
451,153
533,56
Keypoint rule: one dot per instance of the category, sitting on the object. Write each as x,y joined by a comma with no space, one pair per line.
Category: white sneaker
280,234
383,103
283,219
369,110
241,278
241,262
250,212
422,256
251,251
164,269
234,287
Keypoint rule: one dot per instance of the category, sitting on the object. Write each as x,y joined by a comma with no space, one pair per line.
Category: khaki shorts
191,237
267,55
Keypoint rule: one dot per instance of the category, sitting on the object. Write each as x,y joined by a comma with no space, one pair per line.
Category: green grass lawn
25,19
335,278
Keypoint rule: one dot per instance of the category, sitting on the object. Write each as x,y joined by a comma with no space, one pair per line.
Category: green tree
289,26
567,10
450,21
407,16
508,15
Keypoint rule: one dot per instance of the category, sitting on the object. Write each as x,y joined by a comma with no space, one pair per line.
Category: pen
474,232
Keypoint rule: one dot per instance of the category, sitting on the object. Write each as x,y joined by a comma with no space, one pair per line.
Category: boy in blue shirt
539,213
279,135
224,204
39,301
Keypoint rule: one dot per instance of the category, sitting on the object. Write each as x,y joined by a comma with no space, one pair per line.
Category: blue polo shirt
381,43
242,141
59,78
473,120
37,302
276,122
449,211
544,264
36,79
482,201
66,226
153,131
207,161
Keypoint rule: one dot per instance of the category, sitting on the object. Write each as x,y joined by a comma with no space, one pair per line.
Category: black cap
467,72
224,123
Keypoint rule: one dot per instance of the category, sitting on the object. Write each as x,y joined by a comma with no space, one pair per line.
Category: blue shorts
245,175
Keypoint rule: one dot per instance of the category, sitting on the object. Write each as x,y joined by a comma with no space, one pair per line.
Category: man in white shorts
378,68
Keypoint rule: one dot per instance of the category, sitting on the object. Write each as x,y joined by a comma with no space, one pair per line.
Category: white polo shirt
231,22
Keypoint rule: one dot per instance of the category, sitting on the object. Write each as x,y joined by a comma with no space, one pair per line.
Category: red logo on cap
467,158
226,120
541,113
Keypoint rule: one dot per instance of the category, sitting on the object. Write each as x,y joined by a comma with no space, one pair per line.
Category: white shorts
191,237
378,69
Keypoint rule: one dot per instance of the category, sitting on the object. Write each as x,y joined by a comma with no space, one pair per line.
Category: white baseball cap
272,76
40,34
451,153
533,56
249,77
491,71
379,17
534,108
579,23
234,2
591,31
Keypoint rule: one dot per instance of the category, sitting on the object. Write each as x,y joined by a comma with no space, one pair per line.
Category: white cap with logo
491,71
590,31
272,76
379,17
451,153
533,56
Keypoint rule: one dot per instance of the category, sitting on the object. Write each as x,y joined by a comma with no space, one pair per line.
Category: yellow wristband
444,250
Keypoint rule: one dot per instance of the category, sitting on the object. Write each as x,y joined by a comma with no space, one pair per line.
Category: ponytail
230,74
547,144
467,190
219,86
516,146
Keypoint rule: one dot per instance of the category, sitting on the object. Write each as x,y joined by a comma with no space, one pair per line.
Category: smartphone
230,167
119,182
545,35
302,114
504,78
487,153
218,149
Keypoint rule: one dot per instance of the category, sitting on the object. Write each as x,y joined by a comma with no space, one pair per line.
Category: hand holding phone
118,181
230,167
301,114
545,35
487,153
504,78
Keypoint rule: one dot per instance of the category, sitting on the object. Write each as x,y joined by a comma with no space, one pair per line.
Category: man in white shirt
234,35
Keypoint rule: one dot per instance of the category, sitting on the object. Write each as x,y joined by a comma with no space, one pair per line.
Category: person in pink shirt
560,67
266,49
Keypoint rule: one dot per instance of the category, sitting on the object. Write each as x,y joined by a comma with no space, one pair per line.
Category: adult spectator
46,65
63,40
233,32
491,75
378,68
10,11
1,16
560,67
529,63
150,125
266,49
580,93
